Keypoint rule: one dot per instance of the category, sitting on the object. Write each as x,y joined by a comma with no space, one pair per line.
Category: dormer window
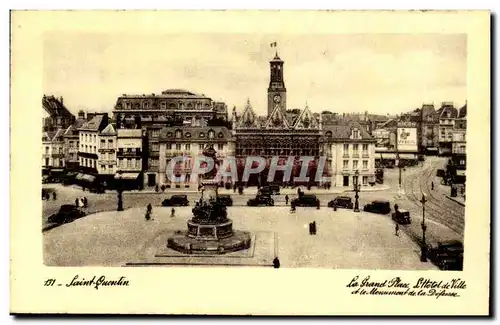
329,134
178,134
163,105
211,134
355,134
221,135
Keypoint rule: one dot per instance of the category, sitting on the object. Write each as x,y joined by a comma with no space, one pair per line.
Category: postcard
250,162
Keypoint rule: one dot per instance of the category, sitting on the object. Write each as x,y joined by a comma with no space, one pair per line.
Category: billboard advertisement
407,139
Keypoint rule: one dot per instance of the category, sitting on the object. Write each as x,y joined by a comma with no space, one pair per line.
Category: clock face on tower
277,98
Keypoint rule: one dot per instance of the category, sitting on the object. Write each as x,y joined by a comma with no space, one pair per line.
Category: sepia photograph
190,150
254,151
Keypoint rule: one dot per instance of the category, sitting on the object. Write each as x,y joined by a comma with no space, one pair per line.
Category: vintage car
270,190
378,206
176,200
225,199
402,217
261,200
341,202
67,213
447,255
306,200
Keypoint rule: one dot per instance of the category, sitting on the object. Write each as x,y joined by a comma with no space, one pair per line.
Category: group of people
149,212
81,202
46,196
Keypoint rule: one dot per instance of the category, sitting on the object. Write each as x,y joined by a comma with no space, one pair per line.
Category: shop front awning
407,156
385,156
85,177
126,175
432,149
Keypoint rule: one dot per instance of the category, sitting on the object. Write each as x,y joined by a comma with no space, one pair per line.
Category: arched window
329,134
178,134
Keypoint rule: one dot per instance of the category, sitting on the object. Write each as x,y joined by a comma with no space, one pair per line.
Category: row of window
187,146
54,150
355,147
273,152
88,149
109,146
55,162
211,134
355,164
86,162
88,137
108,156
163,105
129,163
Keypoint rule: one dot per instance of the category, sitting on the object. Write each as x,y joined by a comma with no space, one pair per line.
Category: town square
378,190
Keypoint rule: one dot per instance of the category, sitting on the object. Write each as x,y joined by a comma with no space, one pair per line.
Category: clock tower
276,93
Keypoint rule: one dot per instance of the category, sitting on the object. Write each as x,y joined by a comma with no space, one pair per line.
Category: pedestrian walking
286,199
432,186
76,202
396,207
310,228
149,209
85,202
276,263
314,227
172,214
292,208
54,196
397,229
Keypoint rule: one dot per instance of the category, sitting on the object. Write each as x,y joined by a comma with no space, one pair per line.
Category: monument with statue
210,230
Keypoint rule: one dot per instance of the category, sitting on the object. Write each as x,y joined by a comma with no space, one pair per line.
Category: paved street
108,201
344,240
438,208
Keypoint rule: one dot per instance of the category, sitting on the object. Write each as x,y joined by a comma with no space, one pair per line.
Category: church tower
276,93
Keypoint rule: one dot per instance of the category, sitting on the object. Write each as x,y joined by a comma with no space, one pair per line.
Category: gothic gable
248,118
306,120
277,119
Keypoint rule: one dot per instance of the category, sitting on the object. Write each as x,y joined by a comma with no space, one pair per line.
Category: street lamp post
423,257
356,191
119,189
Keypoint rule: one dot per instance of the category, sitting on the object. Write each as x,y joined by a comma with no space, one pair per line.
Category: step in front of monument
260,253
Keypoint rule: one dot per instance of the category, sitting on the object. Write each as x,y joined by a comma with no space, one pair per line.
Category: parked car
447,255
67,213
306,200
225,199
261,200
401,216
269,190
341,202
381,207
176,200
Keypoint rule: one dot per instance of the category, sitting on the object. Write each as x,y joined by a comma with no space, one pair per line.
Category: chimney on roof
81,114
61,100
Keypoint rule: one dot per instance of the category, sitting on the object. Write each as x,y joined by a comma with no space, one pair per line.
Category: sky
378,73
